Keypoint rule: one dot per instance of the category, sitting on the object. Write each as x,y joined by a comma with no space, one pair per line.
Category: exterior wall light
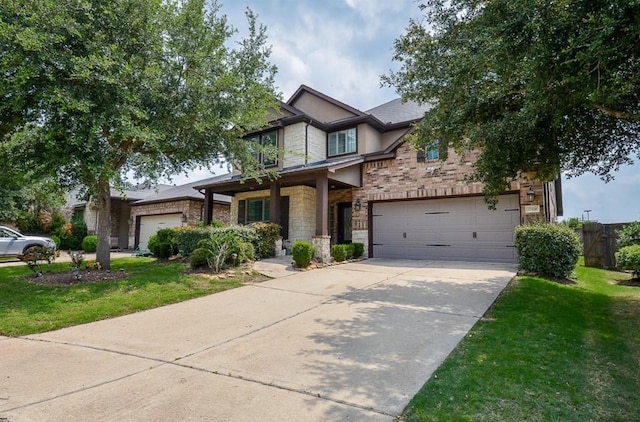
531,195
358,205
183,218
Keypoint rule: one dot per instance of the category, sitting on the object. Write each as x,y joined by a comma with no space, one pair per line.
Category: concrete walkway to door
348,342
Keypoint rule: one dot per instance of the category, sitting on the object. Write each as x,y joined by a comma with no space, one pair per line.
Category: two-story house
350,176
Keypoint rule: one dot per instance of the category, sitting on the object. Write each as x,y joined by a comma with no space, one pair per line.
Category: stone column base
322,245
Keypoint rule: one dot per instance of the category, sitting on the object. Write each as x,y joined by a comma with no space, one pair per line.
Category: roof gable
320,106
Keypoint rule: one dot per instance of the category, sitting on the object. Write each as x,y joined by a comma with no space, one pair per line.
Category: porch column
275,200
322,205
322,240
208,207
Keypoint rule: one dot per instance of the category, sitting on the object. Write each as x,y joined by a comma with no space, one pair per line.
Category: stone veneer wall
405,178
302,210
222,212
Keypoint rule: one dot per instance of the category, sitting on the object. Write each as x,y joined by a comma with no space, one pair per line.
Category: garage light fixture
358,204
131,221
183,218
531,195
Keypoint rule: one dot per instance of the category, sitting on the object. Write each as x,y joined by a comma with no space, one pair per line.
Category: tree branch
616,113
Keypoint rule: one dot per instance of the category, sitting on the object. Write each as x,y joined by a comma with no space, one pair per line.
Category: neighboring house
349,176
137,214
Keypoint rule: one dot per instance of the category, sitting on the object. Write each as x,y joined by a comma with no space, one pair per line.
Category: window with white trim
342,142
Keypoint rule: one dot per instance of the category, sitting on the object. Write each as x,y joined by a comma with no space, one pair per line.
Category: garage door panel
150,224
450,222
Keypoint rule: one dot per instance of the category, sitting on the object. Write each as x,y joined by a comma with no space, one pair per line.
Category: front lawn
545,351
27,308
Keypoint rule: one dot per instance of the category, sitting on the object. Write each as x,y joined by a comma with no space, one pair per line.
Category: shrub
266,236
628,258
629,234
358,249
57,222
79,229
547,249
199,257
339,252
217,224
56,239
163,243
90,244
188,238
303,253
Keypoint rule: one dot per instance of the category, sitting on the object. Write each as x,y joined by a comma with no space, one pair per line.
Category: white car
13,243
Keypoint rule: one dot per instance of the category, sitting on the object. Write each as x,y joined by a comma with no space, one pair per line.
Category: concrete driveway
344,343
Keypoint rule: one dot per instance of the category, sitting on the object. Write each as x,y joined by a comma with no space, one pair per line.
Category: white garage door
150,224
447,229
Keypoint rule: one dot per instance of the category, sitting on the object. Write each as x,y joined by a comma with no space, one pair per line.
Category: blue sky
341,47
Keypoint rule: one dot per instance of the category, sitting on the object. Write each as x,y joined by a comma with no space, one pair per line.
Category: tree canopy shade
93,89
536,85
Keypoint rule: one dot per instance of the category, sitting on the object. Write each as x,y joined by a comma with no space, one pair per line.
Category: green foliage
90,243
57,241
187,238
340,252
57,223
628,258
72,234
266,236
99,90
536,86
547,249
36,256
629,234
163,244
303,252
217,224
358,249
200,257
573,223
225,247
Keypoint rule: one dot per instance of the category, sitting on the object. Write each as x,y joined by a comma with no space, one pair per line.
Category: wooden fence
600,244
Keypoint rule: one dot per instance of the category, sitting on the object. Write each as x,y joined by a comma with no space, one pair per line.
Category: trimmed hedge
303,252
187,238
629,234
199,257
358,249
340,252
547,249
628,258
90,244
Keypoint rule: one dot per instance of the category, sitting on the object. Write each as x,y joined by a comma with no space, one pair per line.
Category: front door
344,222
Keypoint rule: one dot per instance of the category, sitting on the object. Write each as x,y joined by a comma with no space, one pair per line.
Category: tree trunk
103,252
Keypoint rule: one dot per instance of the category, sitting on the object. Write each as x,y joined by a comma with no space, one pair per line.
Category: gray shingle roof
186,191
396,111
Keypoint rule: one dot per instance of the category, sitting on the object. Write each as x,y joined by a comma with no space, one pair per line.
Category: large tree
97,89
536,85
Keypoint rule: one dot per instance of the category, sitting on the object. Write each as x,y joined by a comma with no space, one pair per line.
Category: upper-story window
432,151
266,139
343,142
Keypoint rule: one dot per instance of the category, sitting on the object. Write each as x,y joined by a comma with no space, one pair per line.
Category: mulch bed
86,276
634,282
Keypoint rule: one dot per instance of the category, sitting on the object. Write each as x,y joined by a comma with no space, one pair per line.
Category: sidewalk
65,257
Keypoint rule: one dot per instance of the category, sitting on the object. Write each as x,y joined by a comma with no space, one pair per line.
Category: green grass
544,352
26,308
